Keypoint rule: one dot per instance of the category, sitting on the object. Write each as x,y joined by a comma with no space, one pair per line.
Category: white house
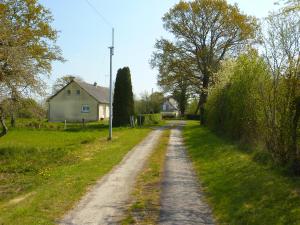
79,100
170,108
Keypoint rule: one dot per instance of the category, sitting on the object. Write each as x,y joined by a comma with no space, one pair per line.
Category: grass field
43,172
145,202
239,189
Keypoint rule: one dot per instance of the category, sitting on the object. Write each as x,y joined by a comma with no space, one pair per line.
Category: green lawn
240,190
43,172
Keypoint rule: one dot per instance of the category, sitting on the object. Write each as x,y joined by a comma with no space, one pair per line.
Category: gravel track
182,201
107,200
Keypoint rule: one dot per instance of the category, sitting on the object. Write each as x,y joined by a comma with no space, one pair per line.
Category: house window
69,92
78,92
85,109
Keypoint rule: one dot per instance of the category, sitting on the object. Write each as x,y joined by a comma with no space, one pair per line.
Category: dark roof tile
101,94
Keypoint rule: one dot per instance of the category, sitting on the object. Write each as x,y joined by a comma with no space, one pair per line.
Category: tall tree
206,31
175,75
123,104
27,48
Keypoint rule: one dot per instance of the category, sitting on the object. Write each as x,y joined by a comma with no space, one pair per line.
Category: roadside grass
145,203
240,190
43,173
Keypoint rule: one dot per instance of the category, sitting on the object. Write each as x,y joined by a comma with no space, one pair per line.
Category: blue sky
84,38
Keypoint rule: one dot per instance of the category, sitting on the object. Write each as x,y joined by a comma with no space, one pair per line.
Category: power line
99,13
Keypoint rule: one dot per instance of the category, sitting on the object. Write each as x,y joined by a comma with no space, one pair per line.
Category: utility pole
110,86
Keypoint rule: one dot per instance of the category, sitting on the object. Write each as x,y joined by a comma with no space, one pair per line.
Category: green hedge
148,119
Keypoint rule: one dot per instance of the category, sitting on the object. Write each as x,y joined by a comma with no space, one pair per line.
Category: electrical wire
99,13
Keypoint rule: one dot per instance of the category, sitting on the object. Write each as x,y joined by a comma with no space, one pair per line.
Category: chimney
95,84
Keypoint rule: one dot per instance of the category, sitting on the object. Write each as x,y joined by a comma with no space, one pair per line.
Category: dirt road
105,203
181,199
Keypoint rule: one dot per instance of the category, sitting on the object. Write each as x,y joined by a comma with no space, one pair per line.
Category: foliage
193,106
234,105
240,190
282,97
27,48
148,119
175,75
149,103
25,108
206,31
123,104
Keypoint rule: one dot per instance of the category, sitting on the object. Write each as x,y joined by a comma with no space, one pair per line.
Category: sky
84,36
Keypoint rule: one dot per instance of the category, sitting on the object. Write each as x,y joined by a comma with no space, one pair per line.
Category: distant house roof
172,102
101,94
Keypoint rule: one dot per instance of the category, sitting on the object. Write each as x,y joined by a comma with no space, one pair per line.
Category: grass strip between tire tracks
144,206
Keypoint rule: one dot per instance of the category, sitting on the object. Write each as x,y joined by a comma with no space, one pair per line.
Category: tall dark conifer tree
123,104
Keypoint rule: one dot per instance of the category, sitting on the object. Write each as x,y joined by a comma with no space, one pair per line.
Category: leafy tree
142,105
282,99
156,101
149,104
175,75
27,49
123,104
25,108
206,31
290,5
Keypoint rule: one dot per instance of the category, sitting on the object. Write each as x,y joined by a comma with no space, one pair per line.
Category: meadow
45,169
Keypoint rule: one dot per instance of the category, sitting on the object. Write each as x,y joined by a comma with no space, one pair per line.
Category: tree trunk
13,120
182,110
2,121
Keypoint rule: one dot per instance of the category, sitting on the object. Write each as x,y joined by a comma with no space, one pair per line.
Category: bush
234,105
249,105
149,119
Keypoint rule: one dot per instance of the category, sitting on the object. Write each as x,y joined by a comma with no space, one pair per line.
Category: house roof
172,102
101,94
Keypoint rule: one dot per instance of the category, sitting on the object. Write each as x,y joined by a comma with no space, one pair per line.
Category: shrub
234,104
149,119
249,104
